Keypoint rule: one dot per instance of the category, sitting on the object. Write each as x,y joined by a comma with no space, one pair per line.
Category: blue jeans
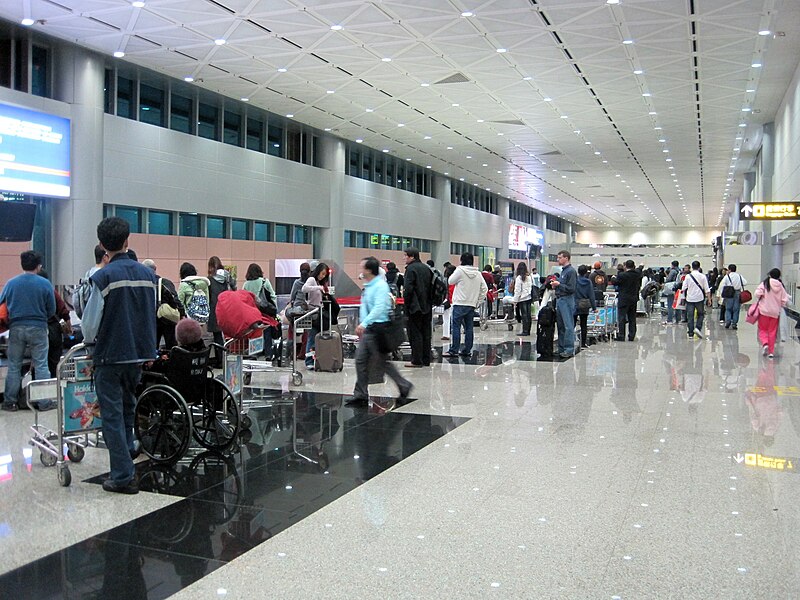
732,306
20,338
670,310
462,315
116,392
311,344
565,311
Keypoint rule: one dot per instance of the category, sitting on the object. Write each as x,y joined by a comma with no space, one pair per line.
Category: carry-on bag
328,349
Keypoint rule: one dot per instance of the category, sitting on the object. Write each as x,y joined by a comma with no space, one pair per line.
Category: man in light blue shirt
375,317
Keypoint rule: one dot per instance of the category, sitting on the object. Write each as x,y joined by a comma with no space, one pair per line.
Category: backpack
197,308
438,289
80,296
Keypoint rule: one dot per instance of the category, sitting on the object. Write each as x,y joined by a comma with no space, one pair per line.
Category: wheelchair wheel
215,416
162,423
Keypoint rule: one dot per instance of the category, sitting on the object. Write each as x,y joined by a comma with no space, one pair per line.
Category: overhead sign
769,211
773,463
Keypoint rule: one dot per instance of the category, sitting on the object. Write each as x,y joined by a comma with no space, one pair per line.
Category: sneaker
734,326
727,325
10,407
691,335
698,333
764,349
770,355
406,391
127,488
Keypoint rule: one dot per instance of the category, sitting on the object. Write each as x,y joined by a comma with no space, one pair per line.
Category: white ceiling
574,136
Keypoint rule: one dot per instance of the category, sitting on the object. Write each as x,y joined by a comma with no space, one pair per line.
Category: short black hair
113,232
30,260
372,265
187,270
732,267
629,264
695,264
132,255
583,270
430,263
412,252
99,253
467,259
675,263
487,268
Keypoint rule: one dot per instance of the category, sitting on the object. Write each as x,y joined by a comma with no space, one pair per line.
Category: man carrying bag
379,333
732,286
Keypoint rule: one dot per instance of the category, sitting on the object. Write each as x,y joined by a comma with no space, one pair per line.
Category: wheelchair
181,400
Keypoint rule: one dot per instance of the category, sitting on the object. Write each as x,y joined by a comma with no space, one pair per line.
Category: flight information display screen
34,152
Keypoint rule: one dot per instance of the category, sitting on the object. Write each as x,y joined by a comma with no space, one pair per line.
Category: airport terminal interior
278,132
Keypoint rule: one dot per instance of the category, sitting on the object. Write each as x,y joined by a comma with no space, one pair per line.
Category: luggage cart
501,314
78,413
612,315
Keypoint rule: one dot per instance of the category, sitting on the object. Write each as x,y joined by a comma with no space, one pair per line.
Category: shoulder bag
753,313
744,295
165,311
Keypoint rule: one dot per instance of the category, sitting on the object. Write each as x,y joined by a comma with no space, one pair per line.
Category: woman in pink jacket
771,300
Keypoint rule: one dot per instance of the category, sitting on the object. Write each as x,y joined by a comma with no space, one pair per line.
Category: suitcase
545,338
328,350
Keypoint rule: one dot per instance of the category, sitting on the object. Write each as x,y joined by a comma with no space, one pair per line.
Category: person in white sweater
523,286
470,290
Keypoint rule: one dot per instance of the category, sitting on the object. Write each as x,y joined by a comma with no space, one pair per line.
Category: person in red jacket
488,277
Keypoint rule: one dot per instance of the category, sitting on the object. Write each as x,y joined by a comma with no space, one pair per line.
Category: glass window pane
159,222
390,173
401,175
232,128
302,234
215,227
208,121
261,232
239,229
40,73
410,177
190,224
283,233
255,135
151,105
378,169
181,114
132,215
293,144
355,162
125,98
275,140
366,172
362,239
108,99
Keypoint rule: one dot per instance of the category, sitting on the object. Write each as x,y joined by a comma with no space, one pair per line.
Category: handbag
264,302
745,297
753,313
165,311
584,306
728,291
390,334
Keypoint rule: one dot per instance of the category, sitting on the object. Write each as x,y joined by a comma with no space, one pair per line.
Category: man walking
732,285
470,290
30,301
669,291
565,287
628,284
375,311
697,291
417,301
120,318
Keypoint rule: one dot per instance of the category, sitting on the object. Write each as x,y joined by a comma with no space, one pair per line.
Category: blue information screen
34,152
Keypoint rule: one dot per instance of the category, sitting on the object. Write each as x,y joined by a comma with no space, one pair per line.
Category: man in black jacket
417,300
628,284
599,282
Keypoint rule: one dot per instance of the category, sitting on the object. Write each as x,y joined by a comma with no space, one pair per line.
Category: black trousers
584,321
627,315
419,336
166,329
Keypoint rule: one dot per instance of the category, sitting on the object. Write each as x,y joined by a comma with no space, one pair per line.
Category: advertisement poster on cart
81,408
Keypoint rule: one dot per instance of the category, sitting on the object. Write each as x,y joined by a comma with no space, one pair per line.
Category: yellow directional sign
769,211
774,463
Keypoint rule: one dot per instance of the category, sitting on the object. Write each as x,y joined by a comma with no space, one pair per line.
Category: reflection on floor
492,355
302,451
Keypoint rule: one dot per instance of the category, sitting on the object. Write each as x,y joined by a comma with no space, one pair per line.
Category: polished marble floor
658,468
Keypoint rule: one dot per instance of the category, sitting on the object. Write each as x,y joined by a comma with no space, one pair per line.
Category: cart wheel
48,460
245,435
64,476
246,378
162,423
215,416
484,326
246,422
511,327
75,453
297,378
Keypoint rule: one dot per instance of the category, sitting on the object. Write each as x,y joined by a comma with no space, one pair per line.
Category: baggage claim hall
659,463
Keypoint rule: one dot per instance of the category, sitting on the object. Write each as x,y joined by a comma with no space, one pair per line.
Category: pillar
79,81
747,192
441,248
772,254
503,207
331,238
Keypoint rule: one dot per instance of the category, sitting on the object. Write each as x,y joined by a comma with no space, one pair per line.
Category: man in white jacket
469,292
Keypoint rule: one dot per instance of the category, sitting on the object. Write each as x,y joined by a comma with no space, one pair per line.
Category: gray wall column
441,248
747,193
772,254
331,238
79,82
503,206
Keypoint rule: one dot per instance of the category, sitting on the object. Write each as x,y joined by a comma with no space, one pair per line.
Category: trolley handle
257,326
69,356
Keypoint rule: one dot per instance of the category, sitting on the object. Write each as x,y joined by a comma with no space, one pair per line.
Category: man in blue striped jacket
120,319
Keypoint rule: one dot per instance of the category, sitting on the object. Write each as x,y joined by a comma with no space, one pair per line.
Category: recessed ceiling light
336,27
646,95
427,137
501,50
282,70
220,42
501,134
756,65
750,90
386,150
245,99
449,147
461,179
327,129
137,4
468,156
527,78
188,79
657,128
548,99
401,124
627,42
119,54
467,13
370,110
289,116
424,84
662,140
638,72
746,109
764,32
331,91
480,120
455,104
386,59
597,153
359,140
742,124
564,117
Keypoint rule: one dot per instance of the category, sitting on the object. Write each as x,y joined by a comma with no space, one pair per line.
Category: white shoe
698,333
764,349
770,355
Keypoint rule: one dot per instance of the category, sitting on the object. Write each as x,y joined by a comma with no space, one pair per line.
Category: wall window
232,129
208,121
553,223
181,114
132,215
355,163
261,232
108,92
151,105
302,234
190,224
275,141
283,233
40,71
159,222
293,142
125,98
255,134
240,229
215,227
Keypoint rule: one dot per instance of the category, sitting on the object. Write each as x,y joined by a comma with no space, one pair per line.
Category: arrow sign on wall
769,211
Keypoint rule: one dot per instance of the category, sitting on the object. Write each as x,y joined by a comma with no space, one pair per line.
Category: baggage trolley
612,315
501,316
78,413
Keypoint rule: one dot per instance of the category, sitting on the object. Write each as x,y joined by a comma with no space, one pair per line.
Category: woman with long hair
315,286
772,297
523,287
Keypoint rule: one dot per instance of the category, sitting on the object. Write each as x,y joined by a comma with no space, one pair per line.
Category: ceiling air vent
454,78
551,153
509,122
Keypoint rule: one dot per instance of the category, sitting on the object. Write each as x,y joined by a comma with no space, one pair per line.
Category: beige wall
9,259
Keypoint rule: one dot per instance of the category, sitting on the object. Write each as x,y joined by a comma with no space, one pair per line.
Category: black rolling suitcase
328,349
545,331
